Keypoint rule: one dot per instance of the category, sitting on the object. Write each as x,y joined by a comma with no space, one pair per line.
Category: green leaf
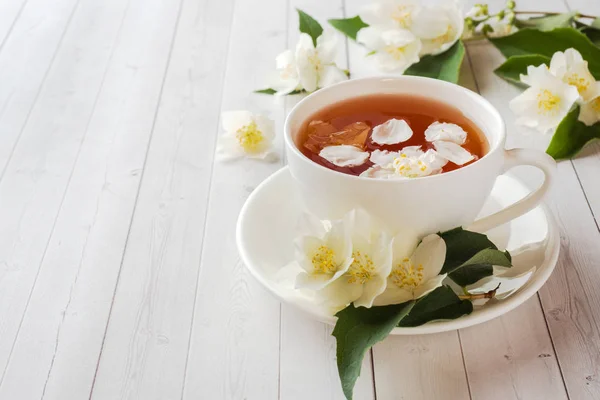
512,68
442,303
461,245
273,91
445,66
532,41
592,31
348,26
548,23
571,136
479,266
309,26
358,329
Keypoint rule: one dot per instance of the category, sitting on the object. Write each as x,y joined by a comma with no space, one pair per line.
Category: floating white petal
393,131
344,155
445,131
453,152
383,157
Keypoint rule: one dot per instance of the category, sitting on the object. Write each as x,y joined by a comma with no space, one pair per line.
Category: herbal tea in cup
391,136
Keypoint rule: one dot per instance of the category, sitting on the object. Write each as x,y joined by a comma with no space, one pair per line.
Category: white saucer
267,224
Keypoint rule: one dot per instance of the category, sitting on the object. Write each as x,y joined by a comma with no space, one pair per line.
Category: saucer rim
539,278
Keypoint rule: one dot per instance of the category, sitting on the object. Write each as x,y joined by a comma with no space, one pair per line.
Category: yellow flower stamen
548,102
407,275
402,15
250,137
362,268
397,52
596,104
323,261
446,37
580,83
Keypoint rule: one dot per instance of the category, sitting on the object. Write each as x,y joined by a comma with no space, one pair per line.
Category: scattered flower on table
286,79
546,102
590,111
393,49
438,28
571,68
416,275
390,13
246,135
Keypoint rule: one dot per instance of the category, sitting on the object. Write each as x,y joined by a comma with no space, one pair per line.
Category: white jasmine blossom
571,68
410,162
390,13
246,135
393,131
286,79
366,277
324,255
394,49
316,65
438,28
502,26
344,155
414,276
546,102
589,113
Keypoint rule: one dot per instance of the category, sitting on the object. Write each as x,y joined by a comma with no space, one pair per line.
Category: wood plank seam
58,213
12,25
37,95
208,197
137,195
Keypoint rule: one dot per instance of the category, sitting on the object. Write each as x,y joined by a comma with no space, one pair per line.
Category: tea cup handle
513,158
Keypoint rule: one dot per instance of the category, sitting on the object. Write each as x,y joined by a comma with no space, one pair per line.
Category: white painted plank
308,360
10,11
587,163
569,297
25,59
33,186
149,331
67,314
234,343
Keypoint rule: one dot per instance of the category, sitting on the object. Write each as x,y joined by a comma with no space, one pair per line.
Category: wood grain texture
66,318
33,186
308,351
234,342
146,344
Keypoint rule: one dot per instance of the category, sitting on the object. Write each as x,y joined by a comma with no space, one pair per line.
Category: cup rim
498,145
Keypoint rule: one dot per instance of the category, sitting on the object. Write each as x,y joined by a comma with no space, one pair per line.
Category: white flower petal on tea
379,172
344,155
445,131
571,68
546,102
383,157
392,131
453,152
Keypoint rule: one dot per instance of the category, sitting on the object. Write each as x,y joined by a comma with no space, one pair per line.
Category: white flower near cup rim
393,49
310,67
245,135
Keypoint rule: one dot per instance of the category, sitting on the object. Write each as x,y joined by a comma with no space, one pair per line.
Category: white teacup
415,206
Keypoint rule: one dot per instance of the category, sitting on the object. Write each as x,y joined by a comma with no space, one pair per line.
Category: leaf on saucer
310,26
470,256
444,66
571,136
348,26
358,329
512,68
440,304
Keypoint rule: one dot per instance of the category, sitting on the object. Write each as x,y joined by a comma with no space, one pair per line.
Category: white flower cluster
410,162
553,90
401,31
479,22
310,67
351,261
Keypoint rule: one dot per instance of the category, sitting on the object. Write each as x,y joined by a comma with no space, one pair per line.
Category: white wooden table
119,275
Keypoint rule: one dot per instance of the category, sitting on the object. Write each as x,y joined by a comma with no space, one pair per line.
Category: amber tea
391,136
